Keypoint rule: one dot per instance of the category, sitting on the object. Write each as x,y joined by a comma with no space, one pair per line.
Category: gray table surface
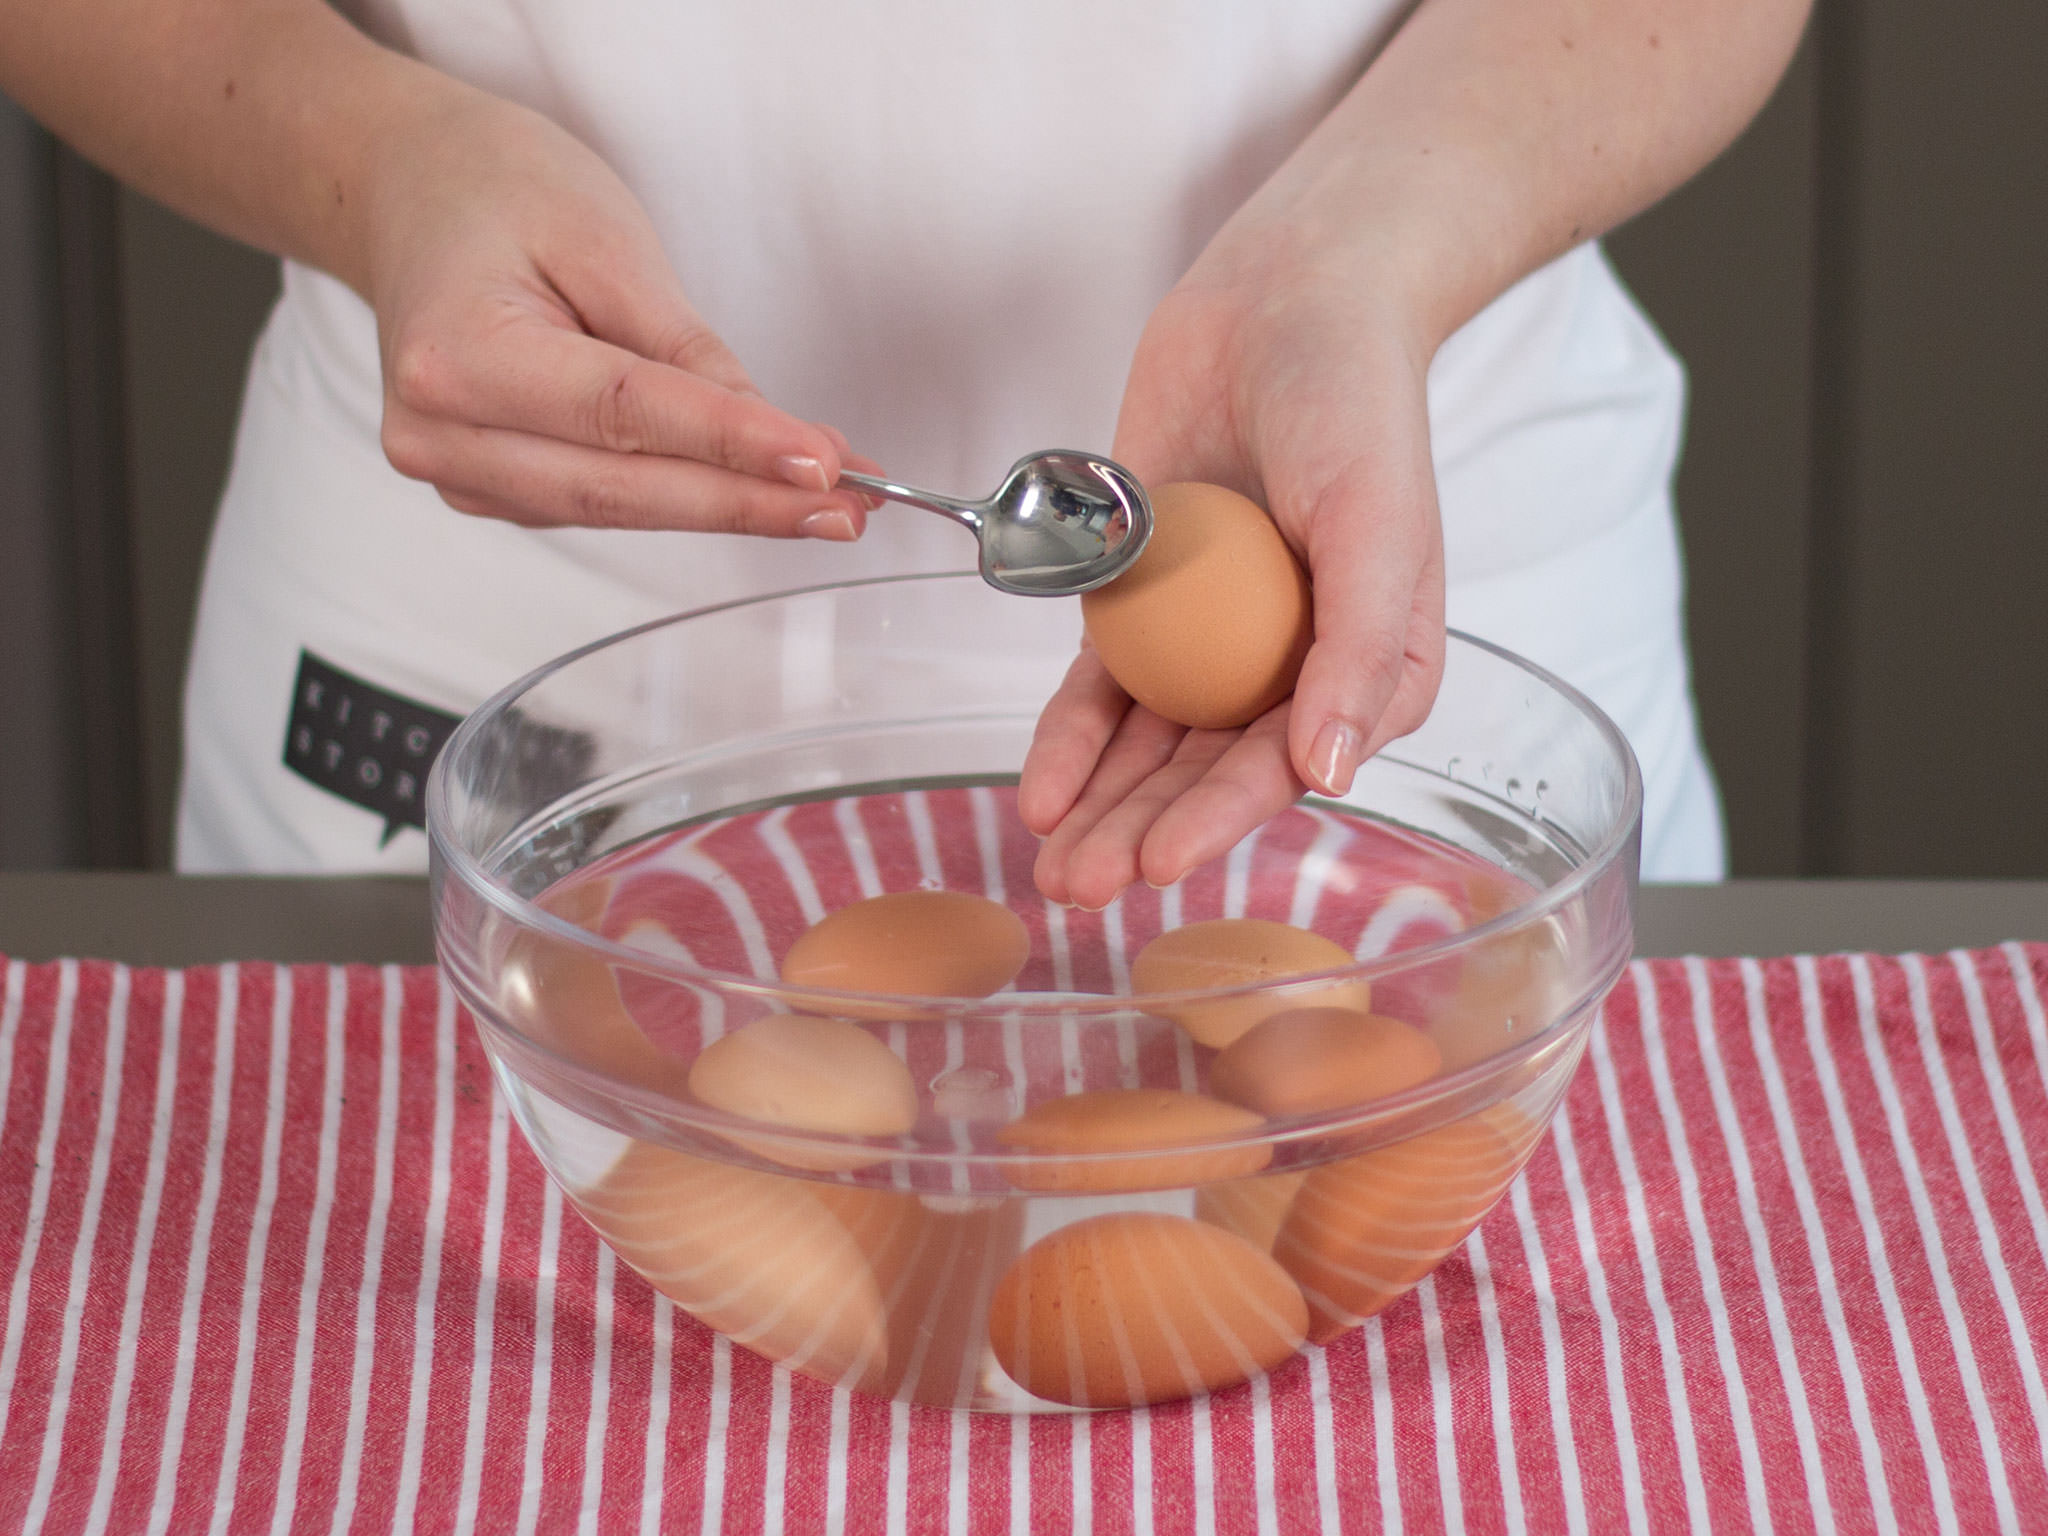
152,919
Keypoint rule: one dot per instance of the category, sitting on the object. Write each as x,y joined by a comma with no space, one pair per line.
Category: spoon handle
968,513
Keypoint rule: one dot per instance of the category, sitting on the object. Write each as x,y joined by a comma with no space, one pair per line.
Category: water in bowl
937,1265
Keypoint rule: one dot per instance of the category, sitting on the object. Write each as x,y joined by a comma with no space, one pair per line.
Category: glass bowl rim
527,915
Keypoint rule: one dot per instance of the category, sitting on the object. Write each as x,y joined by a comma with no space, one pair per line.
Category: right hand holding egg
1288,385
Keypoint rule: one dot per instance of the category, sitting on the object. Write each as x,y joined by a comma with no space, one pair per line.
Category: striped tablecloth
274,1259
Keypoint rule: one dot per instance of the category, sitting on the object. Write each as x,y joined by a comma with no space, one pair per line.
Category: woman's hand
1278,380
1489,137
541,363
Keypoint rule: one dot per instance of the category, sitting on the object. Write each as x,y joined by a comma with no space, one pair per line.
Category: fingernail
830,524
805,474
1334,758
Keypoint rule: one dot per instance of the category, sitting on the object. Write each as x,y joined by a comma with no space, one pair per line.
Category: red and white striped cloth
274,1260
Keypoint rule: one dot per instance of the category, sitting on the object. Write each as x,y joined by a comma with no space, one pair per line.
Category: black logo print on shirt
367,745
373,747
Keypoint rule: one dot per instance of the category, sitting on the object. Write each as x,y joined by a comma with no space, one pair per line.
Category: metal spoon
1061,523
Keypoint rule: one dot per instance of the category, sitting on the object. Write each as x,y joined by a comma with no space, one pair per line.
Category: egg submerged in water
1209,627
807,1074
1241,952
915,943
1141,1307
756,1256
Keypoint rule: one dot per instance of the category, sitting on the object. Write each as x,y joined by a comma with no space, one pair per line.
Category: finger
1372,552
553,382
487,506
539,482
1423,672
519,516
859,463
1251,781
1142,745
1105,858
624,291
1073,728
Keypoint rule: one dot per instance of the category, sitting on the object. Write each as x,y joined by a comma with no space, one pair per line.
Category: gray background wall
1857,288
1861,290
194,303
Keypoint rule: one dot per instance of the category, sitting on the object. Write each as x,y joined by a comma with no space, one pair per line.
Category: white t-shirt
941,229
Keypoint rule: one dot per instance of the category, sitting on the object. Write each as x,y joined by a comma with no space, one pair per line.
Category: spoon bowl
1061,523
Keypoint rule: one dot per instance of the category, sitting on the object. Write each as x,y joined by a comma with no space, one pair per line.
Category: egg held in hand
1210,626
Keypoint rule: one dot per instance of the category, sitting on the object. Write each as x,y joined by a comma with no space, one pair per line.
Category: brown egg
1238,952
1310,1060
1210,626
808,1074
1251,1208
912,943
756,1256
568,999
1139,1307
936,1271
1363,1230
1131,1120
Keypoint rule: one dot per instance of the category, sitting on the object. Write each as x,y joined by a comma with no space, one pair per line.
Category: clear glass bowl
1058,1211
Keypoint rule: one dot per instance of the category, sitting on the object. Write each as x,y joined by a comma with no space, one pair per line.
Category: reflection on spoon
1062,523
